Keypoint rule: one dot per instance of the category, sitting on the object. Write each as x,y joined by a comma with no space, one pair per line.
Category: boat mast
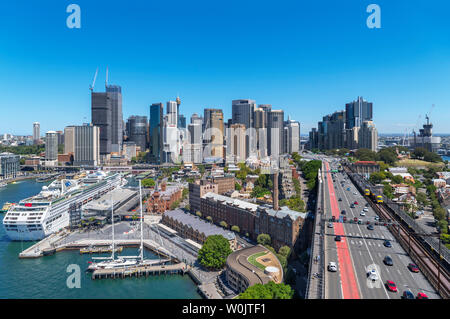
142,233
112,221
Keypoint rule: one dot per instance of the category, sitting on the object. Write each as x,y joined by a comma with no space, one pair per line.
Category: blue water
46,277
446,158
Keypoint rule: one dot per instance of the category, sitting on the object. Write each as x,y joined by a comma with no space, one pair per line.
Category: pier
139,271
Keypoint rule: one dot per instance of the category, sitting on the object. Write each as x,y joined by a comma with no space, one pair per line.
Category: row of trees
270,290
23,149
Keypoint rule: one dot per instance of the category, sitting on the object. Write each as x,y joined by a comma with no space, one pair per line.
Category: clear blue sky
306,57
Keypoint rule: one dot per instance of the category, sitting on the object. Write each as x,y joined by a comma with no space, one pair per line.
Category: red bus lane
349,285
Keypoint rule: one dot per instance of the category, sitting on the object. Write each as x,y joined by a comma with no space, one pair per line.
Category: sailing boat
125,261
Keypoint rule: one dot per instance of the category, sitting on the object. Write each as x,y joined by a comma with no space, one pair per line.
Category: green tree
237,186
285,251
364,154
377,177
209,218
264,239
148,182
199,214
419,152
388,155
223,224
270,290
235,229
214,252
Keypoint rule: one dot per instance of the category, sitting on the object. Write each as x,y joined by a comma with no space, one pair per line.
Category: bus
379,199
367,192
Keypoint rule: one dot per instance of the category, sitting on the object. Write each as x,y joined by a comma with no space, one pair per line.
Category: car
330,225
407,294
363,213
355,193
352,205
348,188
391,286
376,218
332,267
333,218
337,238
370,227
413,267
387,243
421,295
356,203
340,199
372,274
343,212
388,261
344,219
367,204
365,209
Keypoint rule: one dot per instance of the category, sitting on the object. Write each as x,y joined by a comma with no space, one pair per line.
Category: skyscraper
292,136
114,93
156,123
214,132
242,112
51,148
69,139
275,133
357,112
172,113
236,147
368,136
87,145
36,132
137,131
107,115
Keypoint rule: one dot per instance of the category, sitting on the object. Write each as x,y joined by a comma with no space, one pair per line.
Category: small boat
3,184
6,207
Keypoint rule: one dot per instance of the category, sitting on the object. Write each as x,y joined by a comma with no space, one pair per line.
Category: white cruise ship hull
22,227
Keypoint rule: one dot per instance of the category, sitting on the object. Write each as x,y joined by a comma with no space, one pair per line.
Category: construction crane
106,80
93,82
427,116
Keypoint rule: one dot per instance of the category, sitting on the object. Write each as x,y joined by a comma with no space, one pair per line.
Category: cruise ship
38,216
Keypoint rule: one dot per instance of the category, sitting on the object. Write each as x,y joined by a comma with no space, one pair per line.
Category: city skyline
304,60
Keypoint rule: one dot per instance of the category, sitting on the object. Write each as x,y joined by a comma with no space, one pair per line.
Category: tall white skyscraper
368,136
292,137
87,145
51,148
172,117
36,132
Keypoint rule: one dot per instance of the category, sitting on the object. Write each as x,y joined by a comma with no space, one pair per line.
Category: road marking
370,244
399,272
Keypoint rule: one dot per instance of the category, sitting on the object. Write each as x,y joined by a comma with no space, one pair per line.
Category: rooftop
231,201
198,224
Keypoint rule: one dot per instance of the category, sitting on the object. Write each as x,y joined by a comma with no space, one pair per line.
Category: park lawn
252,260
417,163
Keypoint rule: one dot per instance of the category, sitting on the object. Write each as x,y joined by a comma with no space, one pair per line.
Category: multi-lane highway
362,249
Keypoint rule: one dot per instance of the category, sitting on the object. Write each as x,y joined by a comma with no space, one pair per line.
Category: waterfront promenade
127,234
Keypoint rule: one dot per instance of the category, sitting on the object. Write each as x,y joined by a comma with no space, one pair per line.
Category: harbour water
46,277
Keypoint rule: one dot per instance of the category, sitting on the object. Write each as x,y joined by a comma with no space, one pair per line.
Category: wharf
124,272
99,250
50,245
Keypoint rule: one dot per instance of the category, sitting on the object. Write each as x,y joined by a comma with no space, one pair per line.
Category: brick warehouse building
197,190
283,225
160,200
192,227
